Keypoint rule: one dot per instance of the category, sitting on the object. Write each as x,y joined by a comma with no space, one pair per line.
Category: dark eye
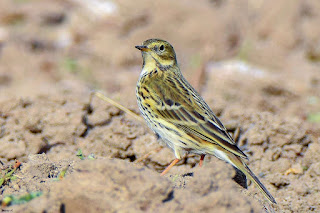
161,48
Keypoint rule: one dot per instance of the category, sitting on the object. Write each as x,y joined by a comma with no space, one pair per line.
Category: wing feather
183,107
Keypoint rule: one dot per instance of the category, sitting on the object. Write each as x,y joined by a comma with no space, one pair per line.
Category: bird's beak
143,48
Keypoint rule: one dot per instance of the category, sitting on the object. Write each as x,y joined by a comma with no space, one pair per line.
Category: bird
178,115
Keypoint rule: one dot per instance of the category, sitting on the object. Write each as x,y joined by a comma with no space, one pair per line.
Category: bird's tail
239,164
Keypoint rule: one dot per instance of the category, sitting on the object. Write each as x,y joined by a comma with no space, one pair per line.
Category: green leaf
80,154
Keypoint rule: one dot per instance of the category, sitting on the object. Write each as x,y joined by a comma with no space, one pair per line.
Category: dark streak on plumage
174,115
160,112
146,89
195,113
181,116
193,142
219,138
150,74
184,87
218,121
183,142
163,67
172,84
185,113
195,138
172,130
142,95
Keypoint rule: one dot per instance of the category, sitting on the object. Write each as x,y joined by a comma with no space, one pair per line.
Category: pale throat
151,63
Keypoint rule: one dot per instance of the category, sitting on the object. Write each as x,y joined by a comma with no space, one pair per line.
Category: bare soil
256,63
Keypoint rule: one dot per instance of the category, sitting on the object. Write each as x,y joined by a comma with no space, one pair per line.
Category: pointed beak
143,48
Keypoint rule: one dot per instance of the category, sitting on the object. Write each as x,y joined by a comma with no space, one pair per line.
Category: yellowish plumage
178,114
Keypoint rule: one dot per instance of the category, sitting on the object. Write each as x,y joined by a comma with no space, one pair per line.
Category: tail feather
239,164
262,188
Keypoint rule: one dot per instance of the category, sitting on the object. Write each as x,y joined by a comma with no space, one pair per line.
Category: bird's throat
151,62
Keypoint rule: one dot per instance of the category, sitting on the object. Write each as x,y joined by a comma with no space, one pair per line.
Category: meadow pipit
178,114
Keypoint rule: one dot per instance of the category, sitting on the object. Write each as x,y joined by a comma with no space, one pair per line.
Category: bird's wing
176,102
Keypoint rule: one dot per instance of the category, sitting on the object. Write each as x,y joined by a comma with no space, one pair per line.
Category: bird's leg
201,160
174,162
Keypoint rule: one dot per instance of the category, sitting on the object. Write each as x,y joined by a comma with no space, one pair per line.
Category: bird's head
158,51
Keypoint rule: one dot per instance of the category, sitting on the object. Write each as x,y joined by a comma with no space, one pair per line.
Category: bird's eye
161,48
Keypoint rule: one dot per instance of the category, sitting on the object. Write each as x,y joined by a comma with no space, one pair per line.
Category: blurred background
254,62
75,45
45,44
72,45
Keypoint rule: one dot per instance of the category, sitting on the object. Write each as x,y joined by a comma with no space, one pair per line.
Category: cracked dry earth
52,53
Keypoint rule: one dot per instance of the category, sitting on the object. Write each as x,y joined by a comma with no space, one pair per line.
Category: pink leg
201,160
174,162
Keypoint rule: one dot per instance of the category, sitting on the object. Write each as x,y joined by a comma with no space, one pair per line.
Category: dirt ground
256,63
